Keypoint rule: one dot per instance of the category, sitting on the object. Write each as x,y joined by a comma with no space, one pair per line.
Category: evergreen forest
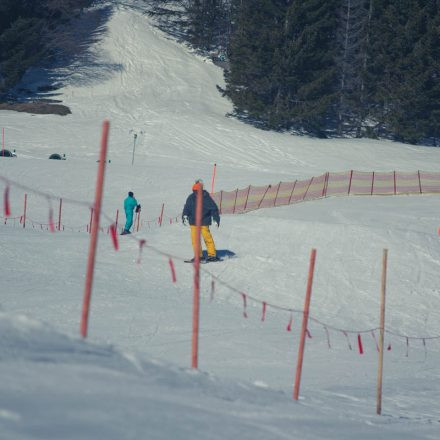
27,33
364,68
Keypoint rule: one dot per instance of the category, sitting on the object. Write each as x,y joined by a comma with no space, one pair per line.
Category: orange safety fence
244,200
329,184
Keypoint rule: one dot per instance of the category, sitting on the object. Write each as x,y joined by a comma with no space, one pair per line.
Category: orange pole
196,300
95,229
213,179
302,342
382,331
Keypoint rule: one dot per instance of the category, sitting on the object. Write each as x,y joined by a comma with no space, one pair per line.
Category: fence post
395,185
324,189
349,185
304,325
94,233
221,199
247,198
264,195
420,182
372,184
382,331
235,201
196,297
24,211
116,221
3,142
213,179
307,190
59,214
291,194
276,195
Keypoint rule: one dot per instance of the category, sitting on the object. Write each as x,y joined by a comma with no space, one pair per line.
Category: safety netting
329,184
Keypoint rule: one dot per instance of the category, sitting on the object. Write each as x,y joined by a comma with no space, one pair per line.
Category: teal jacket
129,204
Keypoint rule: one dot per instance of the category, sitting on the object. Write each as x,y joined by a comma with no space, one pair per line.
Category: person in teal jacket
130,203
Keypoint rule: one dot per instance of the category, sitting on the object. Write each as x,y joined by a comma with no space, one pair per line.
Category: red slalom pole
24,211
95,229
59,214
213,179
304,325
196,300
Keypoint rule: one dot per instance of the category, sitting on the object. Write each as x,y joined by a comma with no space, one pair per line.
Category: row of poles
304,327
196,290
58,225
302,343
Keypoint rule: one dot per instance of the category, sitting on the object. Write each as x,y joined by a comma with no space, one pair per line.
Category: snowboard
204,261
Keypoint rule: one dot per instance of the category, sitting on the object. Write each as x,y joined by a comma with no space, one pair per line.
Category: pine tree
403,68
206,22
311,71
255,53
20,47
352,40
25,27
431,45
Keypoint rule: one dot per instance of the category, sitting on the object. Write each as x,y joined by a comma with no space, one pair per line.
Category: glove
138,208
184,219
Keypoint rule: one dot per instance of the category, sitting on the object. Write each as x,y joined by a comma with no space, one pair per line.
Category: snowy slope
130,379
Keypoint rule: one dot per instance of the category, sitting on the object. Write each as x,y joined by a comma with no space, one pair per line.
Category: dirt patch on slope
37,108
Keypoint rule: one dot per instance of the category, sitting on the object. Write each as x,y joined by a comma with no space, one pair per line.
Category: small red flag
51,225
173,271
263,316
6,207
289,325
361,349
114,236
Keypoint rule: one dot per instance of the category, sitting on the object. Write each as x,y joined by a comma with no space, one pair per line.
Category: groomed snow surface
131,378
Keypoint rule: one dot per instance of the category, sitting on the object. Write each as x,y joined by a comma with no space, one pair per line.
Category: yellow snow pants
207,238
